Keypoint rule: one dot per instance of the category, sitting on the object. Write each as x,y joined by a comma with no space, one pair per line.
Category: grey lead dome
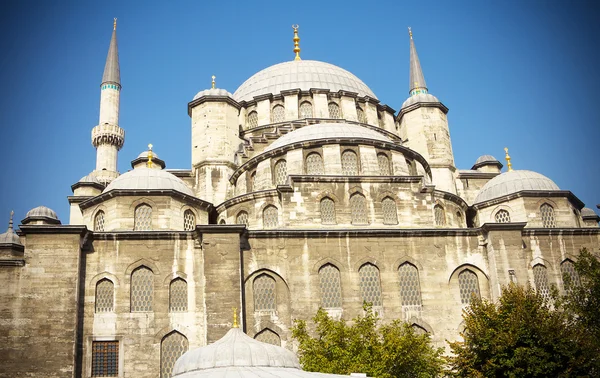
149,179
513,182
42,211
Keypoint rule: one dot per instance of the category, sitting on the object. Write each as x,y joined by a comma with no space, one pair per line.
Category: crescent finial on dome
507,157
296,42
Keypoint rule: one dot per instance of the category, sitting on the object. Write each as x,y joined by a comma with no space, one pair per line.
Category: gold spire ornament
235,323
507,157
150,155
296,42
115,24
410,32
213,81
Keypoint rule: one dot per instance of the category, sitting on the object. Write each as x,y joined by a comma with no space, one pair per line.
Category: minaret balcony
108,134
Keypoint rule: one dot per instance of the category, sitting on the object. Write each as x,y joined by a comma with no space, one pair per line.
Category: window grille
242,218
252,119
105,296
280,172
469,286
361,115
502,216
306,110
269,337
349,163
99,221
334,110
567,268
331,291
547,213
418,330
178,295
440,215
540,278
358,208
105,359
314,164
328,211
264,293
143,218
142,289
385,168
189,220
388,207
410,288
173,346
370,285
270,217
278,114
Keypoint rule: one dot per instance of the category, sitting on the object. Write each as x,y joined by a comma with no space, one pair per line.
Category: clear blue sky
522,74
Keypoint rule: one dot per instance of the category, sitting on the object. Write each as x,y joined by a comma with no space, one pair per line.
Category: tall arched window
264,293
547,214
410,288
252,119
502,216
440,215
388,208
142,289
143,218
99,221
270,217
314,164
570,275
358,209
361,115
105,296
278,114
370,285
305,110
331,291
178,295
327,211
189,220
349,163
172,346
268,336
469,286
242,218
280,172
334,110
540,278
385,168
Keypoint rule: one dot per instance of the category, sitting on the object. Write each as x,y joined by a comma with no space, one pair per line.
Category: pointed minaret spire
10,222
112,72
416,83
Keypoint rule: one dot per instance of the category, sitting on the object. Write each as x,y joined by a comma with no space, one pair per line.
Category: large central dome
301,74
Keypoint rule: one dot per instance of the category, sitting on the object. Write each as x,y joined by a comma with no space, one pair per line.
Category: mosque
305,190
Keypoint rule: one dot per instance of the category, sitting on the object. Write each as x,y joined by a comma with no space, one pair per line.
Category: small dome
90,179
486,160
213,92
149,179
10,237
513,182
42,211
303,75
587,212
421,97
328,131
145,155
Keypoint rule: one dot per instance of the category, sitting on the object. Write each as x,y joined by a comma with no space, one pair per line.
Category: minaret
108,137
416,83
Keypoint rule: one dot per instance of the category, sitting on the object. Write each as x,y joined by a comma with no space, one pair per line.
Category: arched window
99,221
280,172
409,168
380,120
143,218
459,219
222,221
172,346
502,216
314,164
252,119
370,285
547,214
189,220
358,209
385,168
349,163
142,289
418,330
570,275
278,114
410,288
242,218
269,337
440,215
105,296
252,182
334,110
264,293
540,278
327,211
306,110
178,295
469,286
331,291
361,115
388,207
270,217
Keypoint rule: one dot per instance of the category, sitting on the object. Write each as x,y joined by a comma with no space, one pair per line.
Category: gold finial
150,155
115,24
410,32
213,81
507,157
296,42
235,323
10,222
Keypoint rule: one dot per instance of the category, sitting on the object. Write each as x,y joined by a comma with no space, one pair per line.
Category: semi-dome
301,74
213,92
421,97
149,179
328,131
513,182
42,211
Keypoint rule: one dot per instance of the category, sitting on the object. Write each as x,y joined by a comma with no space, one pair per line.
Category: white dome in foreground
149,179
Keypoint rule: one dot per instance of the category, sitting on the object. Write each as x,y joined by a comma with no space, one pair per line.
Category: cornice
145,192
531,193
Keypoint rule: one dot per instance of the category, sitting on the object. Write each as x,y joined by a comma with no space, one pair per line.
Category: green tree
365,346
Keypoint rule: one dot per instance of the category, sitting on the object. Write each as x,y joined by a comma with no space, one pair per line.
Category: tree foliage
365,346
